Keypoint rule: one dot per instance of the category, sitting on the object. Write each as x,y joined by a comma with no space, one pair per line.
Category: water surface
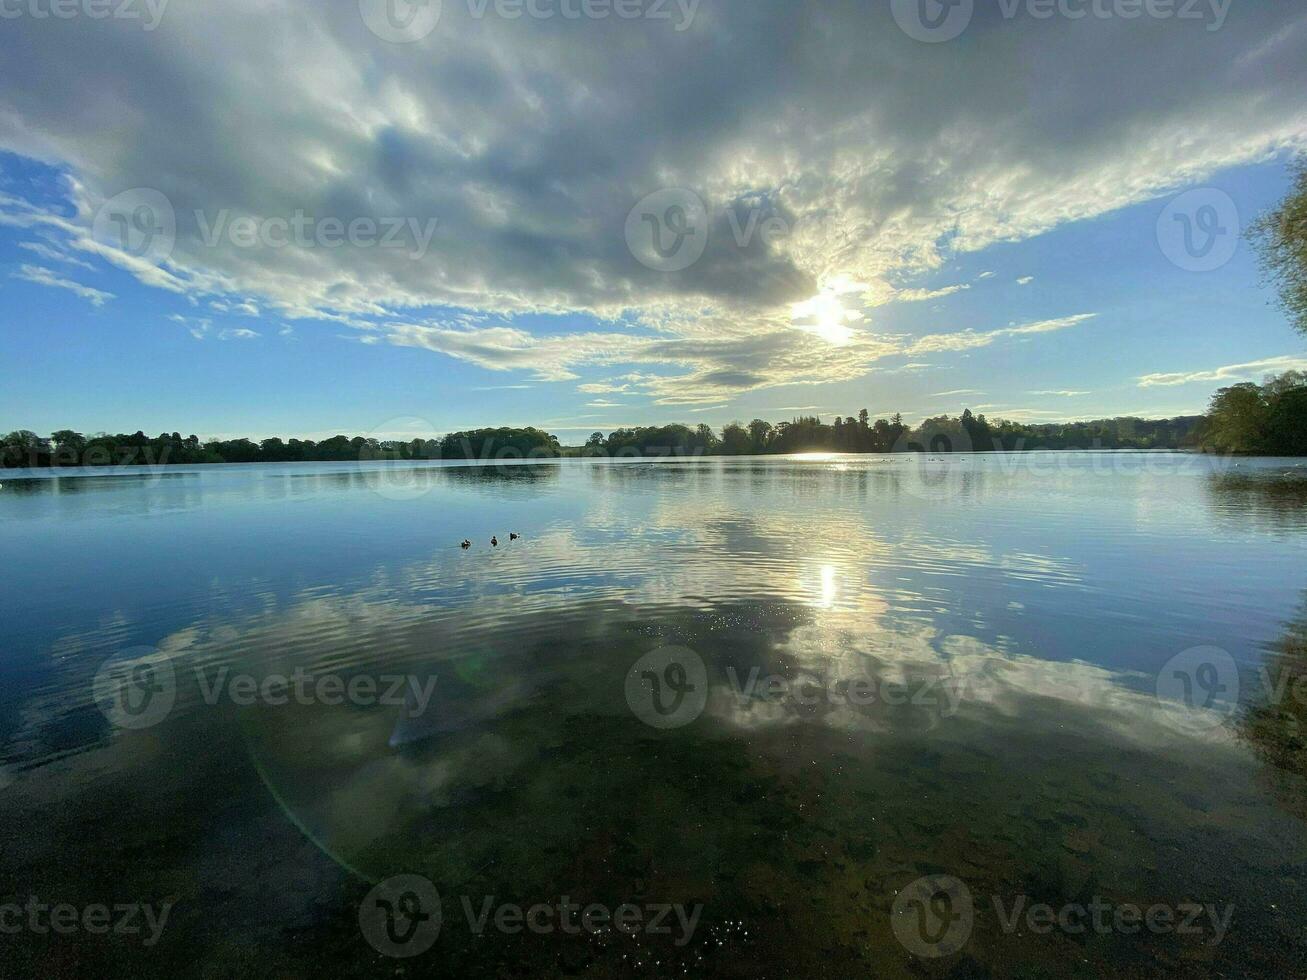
1006,620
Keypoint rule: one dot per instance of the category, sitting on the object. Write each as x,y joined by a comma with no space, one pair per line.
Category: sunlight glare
827,317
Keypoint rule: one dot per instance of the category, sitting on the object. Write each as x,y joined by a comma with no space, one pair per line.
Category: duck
513,536
466,544
494,542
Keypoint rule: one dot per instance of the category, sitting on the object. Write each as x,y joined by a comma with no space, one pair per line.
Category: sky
263,218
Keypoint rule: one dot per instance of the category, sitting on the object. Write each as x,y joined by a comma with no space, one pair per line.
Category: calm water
867,713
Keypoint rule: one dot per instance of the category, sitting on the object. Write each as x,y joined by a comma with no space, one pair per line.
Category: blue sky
996,248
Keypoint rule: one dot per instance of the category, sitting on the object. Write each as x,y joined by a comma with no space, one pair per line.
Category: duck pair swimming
494,542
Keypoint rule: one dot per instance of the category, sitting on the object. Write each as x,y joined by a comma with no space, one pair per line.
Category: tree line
24,448
940,434
1267,419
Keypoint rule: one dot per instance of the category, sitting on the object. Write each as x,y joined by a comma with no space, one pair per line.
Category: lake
768,717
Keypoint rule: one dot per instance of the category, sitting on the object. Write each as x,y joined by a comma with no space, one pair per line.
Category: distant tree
705,438
500,444
1280,237
69,438
1236,419
273,450
736,440
979,438
1286,423
941,434
69,447
760,433
22,448
1280,384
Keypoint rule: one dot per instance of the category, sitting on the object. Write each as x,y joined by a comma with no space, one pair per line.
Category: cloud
921,295
1034,415
1025,280
202,327
956,391
51,254
971,339
243,308
1061,394
531,141
724,361
44,277
1253,370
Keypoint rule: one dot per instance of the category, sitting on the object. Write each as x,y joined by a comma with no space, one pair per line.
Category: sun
827,317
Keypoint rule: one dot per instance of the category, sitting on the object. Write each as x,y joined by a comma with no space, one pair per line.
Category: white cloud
42,276
1025,280
1060,394
1253,370
971,339
52,254
202,327
922,295
242,308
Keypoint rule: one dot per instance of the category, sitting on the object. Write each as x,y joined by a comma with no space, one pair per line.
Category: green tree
1280,237
69,446
1236,419
1286,424
736,441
